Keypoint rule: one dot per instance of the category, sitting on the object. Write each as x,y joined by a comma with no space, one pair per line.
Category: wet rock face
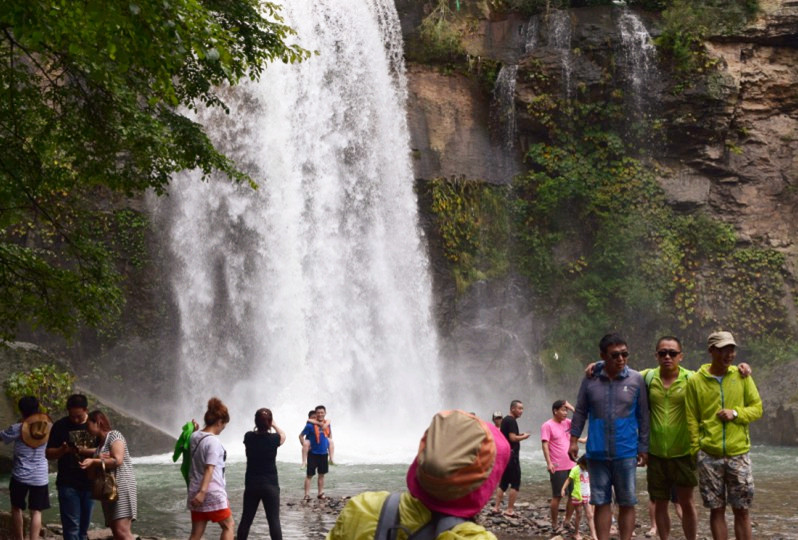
449,121
730,144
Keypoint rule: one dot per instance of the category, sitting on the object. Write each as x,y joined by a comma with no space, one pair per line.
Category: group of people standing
86,447
688,428
204,463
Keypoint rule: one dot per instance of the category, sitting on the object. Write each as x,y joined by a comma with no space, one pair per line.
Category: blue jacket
618,414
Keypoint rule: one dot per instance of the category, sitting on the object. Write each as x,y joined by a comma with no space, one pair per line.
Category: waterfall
314,288
559,30
640,56
531,34
503,104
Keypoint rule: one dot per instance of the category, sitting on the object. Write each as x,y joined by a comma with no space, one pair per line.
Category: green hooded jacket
705,397
358,519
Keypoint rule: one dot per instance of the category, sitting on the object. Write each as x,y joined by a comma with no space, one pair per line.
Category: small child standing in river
580,497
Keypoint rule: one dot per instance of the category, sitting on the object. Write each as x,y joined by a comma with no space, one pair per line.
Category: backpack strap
388,522
436,526
649,377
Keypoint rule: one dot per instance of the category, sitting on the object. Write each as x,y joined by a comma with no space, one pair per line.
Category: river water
162,494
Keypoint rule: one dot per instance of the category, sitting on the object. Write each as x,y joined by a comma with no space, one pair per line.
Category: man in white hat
720,405
28,485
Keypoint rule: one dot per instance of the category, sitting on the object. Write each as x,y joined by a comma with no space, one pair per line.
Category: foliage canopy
92,96
48,383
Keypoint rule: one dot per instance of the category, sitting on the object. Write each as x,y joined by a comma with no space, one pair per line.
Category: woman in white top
207,496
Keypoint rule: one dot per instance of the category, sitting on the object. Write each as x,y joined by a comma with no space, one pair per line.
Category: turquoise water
162,493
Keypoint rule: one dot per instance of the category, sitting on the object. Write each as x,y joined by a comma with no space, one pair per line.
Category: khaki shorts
664,474
725,480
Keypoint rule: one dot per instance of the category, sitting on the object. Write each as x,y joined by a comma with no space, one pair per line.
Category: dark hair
99,418
322,407
216,411
515,402
669,338
557,405
77,401
263,420
311,412
582,460
609,340
28,405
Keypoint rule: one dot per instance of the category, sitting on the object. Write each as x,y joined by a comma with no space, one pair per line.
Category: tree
48,383
92,95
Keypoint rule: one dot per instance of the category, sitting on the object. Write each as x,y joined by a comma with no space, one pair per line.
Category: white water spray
314,288
640,56
559,28
503,104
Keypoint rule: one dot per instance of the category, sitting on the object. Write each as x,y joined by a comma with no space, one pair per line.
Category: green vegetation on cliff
595,236
92,110
472,220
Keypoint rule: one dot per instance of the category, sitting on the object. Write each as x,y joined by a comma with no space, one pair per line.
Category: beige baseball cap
720,340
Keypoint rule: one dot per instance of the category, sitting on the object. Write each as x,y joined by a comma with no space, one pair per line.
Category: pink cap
459,463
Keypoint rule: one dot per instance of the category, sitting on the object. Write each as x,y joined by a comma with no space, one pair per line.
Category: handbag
103,487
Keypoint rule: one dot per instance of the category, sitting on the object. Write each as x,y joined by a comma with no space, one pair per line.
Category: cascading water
531,34
503,104
559,30
640,56
315,287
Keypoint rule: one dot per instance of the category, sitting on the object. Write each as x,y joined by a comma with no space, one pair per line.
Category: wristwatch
734,413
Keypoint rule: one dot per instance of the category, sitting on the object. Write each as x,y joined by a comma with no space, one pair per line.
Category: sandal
306,498
321,496
509,514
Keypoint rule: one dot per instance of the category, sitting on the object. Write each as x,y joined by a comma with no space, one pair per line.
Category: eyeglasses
668,352
616,355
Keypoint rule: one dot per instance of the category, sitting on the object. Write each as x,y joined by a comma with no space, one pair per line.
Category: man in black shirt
74,488
512,474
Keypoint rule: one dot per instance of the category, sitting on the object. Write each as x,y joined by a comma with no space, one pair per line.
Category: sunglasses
616,355
668,352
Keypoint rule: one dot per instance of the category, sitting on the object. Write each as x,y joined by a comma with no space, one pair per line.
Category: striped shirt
30,464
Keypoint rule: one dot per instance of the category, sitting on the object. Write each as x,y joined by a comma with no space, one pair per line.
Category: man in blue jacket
616,404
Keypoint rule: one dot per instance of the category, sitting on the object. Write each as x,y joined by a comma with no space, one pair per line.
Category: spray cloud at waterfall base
313,289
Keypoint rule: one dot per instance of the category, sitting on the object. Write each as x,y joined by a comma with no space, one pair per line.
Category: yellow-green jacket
668,437
358,519
705,397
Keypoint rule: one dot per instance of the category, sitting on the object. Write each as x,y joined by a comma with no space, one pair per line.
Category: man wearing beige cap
720,405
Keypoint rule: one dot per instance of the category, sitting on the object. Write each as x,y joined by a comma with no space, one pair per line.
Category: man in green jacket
720,405
670,466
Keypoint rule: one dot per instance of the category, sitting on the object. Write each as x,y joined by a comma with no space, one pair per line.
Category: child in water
580,497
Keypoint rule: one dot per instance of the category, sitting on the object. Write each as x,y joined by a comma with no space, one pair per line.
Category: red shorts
214,516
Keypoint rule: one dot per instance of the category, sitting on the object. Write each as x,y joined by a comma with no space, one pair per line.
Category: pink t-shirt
559,437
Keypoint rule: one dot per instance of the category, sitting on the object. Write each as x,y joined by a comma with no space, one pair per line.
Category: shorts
317,461
725,480
214,516
557,480
37,496
512,474
665,474
609,475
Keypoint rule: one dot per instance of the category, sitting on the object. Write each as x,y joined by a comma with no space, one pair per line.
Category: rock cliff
728,145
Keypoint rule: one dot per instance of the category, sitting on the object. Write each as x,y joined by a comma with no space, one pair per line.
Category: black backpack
388,525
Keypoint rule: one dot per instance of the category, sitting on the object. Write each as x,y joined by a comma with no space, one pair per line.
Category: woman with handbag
111,465
207,493
260,484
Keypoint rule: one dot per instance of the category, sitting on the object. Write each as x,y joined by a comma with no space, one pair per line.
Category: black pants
270,496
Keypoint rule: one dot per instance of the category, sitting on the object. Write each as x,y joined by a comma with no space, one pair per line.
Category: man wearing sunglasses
670,470
616,403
